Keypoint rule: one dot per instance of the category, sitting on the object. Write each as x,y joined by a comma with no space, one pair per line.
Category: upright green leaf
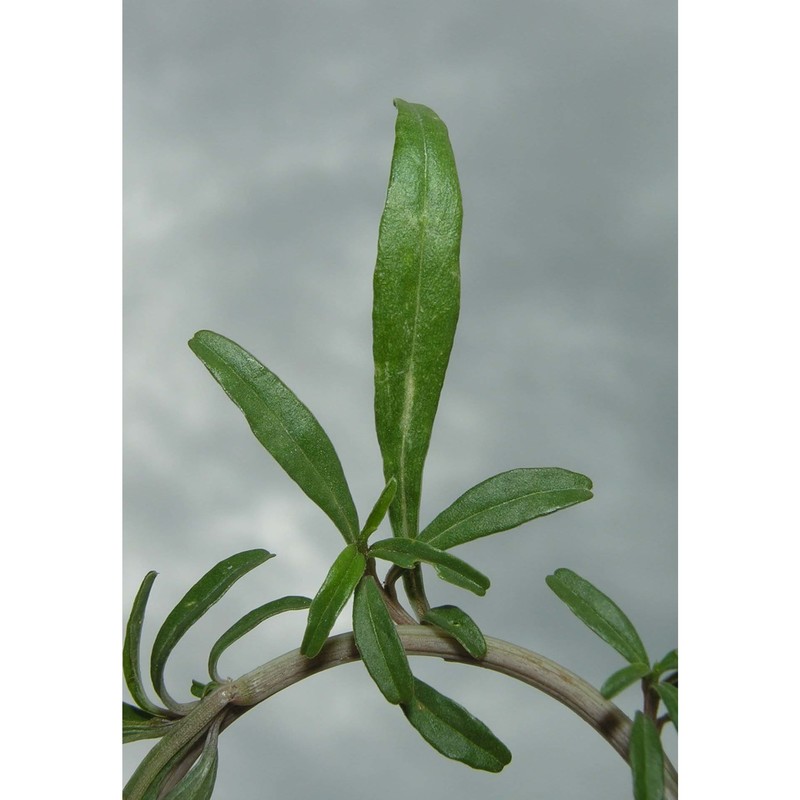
505,501
646,759
379,644
138,724
379,510
131,660
622,679
207,591
339,584
453,731
670,661
416,300
599,613
458,624
669,694
247,623
283,425
408,552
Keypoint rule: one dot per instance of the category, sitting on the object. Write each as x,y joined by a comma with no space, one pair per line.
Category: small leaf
453,731
646,759
339,584
198,783
379,644
247,623
138,724
283,425
207,591
599,613
670,661
416,300
455,622
504,502
622,679
408,552
669,694
379,511
200,690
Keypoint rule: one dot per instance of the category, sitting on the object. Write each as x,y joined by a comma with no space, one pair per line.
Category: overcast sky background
258,138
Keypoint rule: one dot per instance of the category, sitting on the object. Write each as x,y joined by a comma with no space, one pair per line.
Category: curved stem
510,659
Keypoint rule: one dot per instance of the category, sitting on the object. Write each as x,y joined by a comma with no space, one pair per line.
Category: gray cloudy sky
258,137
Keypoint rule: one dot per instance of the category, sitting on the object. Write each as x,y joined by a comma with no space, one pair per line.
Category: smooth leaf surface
131,658
646,759
504,502
670,661
138,724
599,613
379,644
408,552
283,425
669,694
458,624
453,731
207,591
339,584
622,679
379,511
416,300
247,623
198,783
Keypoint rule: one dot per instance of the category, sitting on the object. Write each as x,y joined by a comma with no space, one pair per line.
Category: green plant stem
510,659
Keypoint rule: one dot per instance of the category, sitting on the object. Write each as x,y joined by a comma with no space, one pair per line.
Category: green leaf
247,623
379,511
622,679
670,661
505,501
200,690
669,694
416,300
207,591
379,644
339,584
453,731
138,724
646,759
458,624
198,783
131,663
599,613
408,552
283,425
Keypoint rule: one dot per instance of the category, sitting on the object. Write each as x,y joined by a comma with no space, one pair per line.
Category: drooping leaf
283,425
207,591
416,300
131,659
458,624
247,623
339,584
670,661
198,783
599,613
453,731
669,694
379,511
379,644
506,501
646,759
622,679
138,724
408,552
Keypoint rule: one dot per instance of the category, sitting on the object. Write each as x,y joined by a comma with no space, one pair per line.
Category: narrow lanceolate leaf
283,425
622,679
339,584
669,694
416,300
453,731
599,613
379,645
646,759
131,663
198,783
379,511
210,588
458,624
408,552
138,724
247,623
505,501
670,661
